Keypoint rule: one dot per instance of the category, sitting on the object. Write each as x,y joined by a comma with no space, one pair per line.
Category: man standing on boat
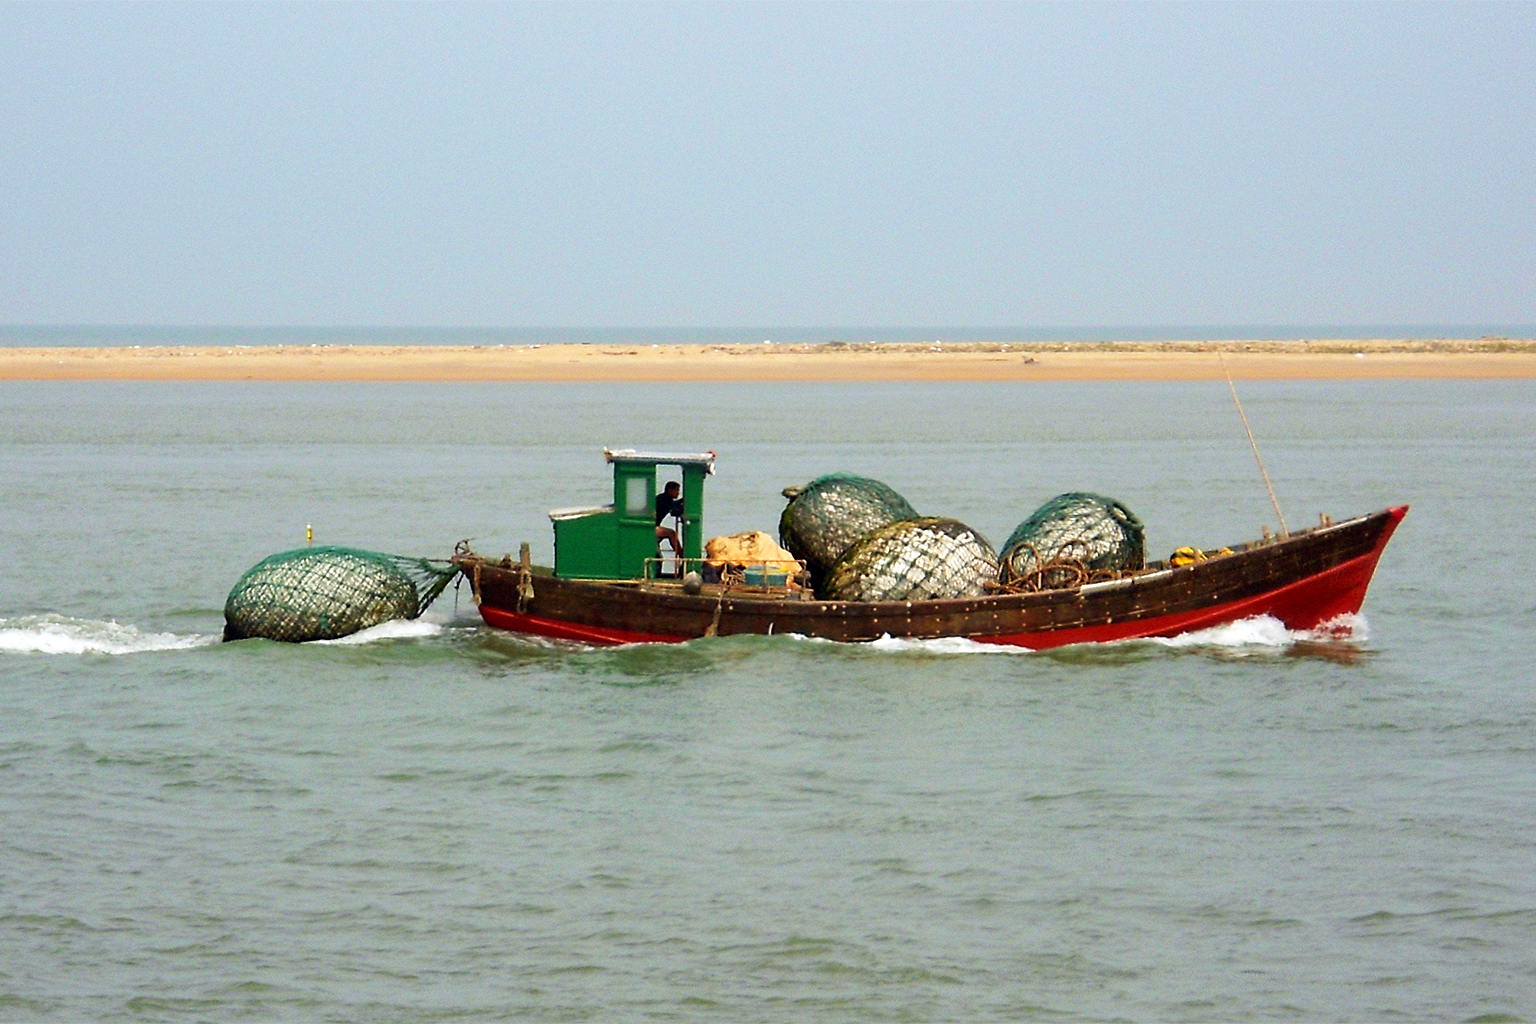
668,503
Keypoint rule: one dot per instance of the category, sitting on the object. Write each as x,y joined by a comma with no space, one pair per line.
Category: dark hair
671,484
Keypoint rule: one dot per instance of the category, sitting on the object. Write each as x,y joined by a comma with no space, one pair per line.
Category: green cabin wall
587,547
613,544
693,511
637,523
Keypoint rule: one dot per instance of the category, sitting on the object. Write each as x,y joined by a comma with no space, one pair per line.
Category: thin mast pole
1284,532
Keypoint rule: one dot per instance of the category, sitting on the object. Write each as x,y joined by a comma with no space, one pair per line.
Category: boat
611,585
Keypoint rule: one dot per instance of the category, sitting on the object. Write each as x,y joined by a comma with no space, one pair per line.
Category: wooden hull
1306,581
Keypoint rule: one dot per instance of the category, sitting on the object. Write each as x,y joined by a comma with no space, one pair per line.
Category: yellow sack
753,548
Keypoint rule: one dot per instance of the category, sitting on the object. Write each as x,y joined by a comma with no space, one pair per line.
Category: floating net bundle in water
830,514
1070,538
327,592
914,560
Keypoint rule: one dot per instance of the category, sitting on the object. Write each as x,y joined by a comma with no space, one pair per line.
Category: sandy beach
978,361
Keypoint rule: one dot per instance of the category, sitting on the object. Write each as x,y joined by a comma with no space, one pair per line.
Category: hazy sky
767,164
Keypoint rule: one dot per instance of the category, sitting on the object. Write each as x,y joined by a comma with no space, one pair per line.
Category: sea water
432,820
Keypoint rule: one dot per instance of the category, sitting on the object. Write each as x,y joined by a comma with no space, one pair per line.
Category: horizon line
883,328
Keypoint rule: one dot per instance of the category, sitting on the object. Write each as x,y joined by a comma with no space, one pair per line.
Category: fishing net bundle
1070,539
914,560
830,514
322,593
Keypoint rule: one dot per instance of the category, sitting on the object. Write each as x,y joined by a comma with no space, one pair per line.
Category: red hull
1304,605
522,623
1304,581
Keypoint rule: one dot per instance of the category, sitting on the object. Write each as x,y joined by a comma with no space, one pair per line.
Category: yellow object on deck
1187,555
754,548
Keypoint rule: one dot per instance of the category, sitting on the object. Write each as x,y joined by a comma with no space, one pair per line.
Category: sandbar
1342,359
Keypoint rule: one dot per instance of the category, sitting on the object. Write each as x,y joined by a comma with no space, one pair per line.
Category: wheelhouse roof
705,459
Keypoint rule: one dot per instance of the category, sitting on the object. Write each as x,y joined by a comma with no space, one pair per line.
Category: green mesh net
914,560
830,514
1069,540
322,593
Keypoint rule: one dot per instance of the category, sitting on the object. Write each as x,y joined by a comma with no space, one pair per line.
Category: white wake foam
1259,632
395,629
1266,631
59,634
944,645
